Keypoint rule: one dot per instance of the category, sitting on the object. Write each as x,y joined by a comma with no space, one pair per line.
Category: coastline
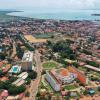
72,15
5,17
95,14
11,17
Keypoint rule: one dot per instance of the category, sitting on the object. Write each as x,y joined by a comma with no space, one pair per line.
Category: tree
20,52
63,54
13,90
2,56
92,63
76,64
27,94
32,74
43,72
5,85
52,36
85,92
49,43
9,59
67,98
98,47
99,89
72,56
87,52
12,79
94,78
28,81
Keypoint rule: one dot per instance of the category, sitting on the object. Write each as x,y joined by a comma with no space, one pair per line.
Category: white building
23,75
19,82
21,79
68,79
27,61
52,81
63,75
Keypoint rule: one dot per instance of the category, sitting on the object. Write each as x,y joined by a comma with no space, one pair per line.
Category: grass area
45,36
70,87
49,88
91,72
46,85
95,73
82,69
50,65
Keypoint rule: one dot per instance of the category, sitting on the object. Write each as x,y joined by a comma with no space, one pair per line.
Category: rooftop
93,68
28,56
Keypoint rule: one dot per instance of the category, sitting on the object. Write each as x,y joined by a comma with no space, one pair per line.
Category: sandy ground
90,98
32,39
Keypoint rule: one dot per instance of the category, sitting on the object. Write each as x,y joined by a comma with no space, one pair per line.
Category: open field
50,65
82,69
44,36
32,39
70,87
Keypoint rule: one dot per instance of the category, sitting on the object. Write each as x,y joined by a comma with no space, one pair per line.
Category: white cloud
68,4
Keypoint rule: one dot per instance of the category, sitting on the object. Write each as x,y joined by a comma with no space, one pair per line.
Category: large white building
63,75
21,79
52,81
27,61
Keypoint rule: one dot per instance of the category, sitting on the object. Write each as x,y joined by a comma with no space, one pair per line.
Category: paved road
36,82
14,49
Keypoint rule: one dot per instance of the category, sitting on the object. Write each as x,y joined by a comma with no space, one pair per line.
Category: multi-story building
27,61
80,76
52,81
57,77
63,75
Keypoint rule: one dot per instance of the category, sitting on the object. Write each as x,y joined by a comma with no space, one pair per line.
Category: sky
49,4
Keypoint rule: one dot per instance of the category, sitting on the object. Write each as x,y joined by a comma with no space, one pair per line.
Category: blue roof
91,91
0,50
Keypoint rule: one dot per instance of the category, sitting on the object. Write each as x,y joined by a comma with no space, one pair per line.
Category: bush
85,92
99,89
12,79
27,94
20,52
92,63
28,81
32,74
76,64
5,85
13,90
94,78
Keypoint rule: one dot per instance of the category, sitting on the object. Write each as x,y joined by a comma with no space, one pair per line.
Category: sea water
59,15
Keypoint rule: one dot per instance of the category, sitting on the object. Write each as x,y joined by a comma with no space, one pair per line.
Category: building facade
27,61
83,79
52,81
63,75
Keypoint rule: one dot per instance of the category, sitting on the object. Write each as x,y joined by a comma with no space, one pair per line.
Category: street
35,84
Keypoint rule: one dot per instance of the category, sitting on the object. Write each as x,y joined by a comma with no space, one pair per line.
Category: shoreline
8,13
46,14
95,14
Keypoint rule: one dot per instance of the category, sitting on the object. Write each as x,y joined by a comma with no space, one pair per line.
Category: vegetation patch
45,36
50,65
70,87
